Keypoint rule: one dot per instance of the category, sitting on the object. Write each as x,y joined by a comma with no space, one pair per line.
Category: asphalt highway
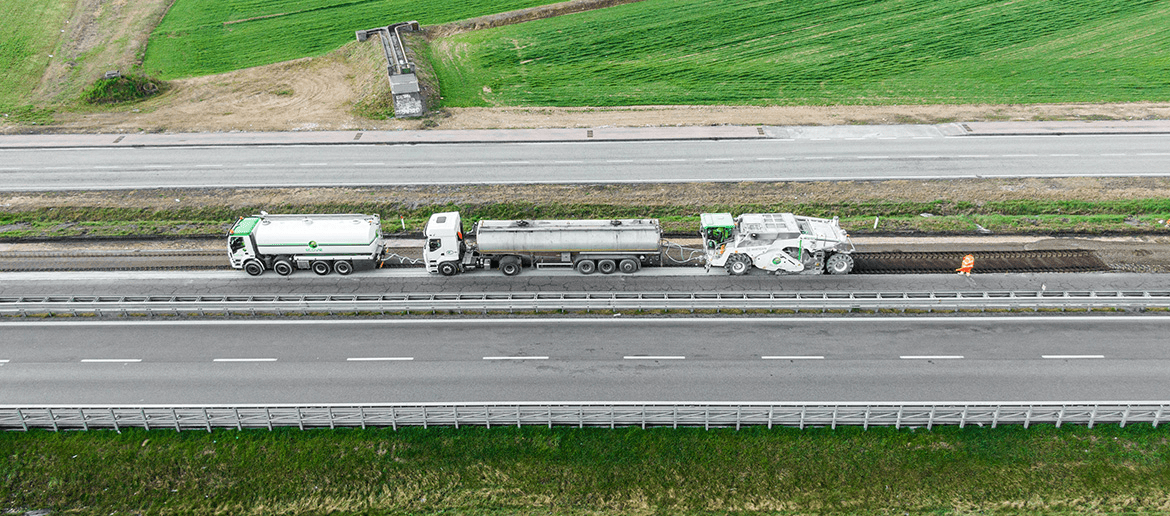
709,359
832,155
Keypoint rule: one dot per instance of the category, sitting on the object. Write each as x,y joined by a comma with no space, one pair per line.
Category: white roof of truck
334,229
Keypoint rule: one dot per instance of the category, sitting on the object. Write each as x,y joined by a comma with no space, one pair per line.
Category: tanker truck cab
444,248
241,245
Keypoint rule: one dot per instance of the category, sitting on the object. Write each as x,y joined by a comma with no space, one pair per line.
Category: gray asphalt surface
138,283
834,155
919,359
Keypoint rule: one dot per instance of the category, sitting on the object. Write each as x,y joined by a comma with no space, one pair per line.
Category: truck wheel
510,267
738,264
448,269
606,266
840,264
586,266
343,267
283,267
628,266
321,268
254,268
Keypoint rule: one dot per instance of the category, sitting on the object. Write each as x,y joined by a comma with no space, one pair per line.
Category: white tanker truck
323,243
775,242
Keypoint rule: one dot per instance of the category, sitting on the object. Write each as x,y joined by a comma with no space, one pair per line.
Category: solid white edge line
243,360
931,357
786,320
801,357
379,359
654,357
5,361
109,360
1071,356
515,358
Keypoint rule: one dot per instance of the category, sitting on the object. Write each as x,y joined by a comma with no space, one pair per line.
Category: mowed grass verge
32,30
941,217
534,470
816,52
201,37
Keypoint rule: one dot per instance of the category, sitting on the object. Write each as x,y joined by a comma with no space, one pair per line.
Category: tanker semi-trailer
604,246
323,243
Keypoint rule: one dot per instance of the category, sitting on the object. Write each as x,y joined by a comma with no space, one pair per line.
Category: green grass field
32,29
200,37
539,471
817,52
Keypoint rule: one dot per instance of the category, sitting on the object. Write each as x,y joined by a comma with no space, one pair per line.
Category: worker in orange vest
968,264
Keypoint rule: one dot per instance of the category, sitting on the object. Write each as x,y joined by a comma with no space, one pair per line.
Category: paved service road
720,359
763,159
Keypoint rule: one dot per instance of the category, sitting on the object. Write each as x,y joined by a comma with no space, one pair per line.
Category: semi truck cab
444,248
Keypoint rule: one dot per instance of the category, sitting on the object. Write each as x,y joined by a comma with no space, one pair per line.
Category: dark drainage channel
985,261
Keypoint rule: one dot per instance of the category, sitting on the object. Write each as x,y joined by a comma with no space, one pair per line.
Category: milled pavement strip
611,134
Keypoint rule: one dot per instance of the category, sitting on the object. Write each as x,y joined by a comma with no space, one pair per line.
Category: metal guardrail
488,302
698,414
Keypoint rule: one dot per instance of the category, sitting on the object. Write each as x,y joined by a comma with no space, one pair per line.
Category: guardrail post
268,417
865,421
84,423
517,416
771,409
239,424
1125,416
145,421
995,417
1158,415
930,419
207,419
300,419
898,420
1060,416
424,418
801,424
455,412
1093,416
1028,417
362,416
331,418
550,416
394,419
833,424
176,416
674,418
114,418
963,417
23,423
53,419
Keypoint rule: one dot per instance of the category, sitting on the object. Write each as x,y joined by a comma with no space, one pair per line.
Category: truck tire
448,268
738,264
343,267
586,266
510,267
839,264
606,266
283,267
254,268
628,266
322,267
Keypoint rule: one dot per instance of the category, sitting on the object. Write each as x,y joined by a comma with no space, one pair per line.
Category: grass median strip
569,471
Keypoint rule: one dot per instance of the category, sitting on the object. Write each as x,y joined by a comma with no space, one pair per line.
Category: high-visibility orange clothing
968,264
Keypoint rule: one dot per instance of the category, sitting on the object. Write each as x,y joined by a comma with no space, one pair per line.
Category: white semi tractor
323,243
775,242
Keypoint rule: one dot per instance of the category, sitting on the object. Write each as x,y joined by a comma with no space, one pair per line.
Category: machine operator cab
444,248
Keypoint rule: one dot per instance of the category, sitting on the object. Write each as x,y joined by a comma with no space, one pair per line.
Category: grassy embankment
816,52
945,217
29,37
201,37
1009,470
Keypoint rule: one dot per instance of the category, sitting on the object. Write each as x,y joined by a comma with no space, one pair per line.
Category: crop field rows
817,52
199,37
